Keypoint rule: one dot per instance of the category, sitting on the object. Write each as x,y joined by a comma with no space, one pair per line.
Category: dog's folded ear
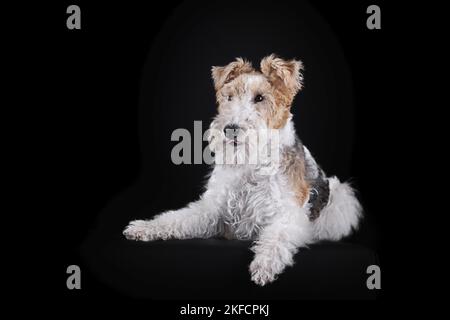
284,75
222,75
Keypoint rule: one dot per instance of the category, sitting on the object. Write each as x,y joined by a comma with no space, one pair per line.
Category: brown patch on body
295,172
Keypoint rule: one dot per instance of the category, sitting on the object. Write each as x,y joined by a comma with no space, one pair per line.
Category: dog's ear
284,75
222,75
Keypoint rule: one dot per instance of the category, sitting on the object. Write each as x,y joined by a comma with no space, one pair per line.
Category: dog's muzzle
231,132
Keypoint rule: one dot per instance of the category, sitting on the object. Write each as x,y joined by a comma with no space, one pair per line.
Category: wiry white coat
241,203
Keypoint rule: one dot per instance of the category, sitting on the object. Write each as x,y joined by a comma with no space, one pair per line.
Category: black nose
231,130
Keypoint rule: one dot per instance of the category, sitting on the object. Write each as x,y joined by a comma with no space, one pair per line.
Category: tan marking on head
223,75
250,84
286,80
279,82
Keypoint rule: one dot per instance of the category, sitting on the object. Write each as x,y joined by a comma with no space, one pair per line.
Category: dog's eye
258,98
229,98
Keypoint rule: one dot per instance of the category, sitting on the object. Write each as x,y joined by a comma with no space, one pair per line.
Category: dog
280,205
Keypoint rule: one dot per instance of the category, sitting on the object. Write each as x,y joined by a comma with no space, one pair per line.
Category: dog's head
251,101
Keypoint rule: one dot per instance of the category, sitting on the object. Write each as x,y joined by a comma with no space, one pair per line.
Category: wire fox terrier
280,204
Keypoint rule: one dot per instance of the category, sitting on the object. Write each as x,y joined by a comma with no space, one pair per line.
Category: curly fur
265,201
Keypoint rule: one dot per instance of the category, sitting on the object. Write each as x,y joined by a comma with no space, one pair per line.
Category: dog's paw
262,271
140,230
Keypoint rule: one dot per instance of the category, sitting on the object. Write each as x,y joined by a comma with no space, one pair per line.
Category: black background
95,96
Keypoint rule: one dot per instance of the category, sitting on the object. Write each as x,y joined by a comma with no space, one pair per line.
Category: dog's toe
137,230
261,274
262,277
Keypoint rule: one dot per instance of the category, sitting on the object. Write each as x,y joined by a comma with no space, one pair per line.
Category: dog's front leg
198,220
277,243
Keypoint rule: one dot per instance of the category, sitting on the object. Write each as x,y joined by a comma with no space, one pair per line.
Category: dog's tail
341,215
